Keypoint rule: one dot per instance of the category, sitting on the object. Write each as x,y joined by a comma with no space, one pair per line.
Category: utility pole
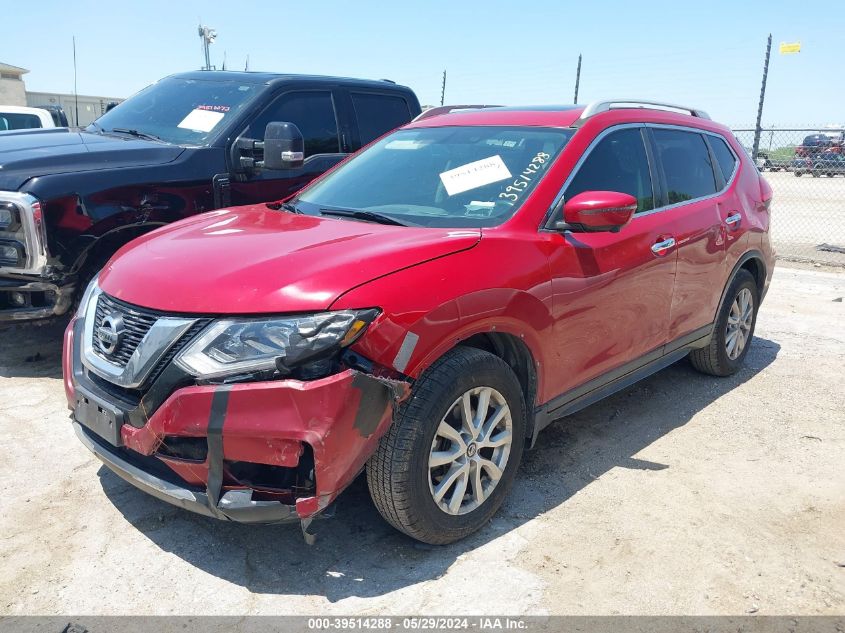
75,94
577,78
443,89
757,128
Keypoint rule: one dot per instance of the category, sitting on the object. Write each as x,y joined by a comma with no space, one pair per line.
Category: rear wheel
733,331
447,463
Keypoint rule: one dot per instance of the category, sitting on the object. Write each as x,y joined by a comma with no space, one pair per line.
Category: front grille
136,324
178,346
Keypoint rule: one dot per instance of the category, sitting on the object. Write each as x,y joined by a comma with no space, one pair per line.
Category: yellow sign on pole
787,48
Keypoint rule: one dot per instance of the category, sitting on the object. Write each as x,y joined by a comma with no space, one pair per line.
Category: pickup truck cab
192,142
24,118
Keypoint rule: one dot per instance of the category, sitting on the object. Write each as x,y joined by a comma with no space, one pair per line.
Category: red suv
422,312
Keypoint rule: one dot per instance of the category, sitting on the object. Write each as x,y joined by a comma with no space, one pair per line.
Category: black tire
398,474
798,174
714,359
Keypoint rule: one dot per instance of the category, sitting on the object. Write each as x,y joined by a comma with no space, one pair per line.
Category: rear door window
686,164
18,121
724,156
312,111
618,163
377,114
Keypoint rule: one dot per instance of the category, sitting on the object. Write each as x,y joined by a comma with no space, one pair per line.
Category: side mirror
593,211
284,147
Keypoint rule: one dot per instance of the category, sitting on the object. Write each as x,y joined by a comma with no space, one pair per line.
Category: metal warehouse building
90,108
13,92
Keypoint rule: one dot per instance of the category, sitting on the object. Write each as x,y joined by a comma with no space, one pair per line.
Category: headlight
234,346
8,215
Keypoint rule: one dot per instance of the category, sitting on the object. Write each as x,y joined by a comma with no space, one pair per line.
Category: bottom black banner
483,624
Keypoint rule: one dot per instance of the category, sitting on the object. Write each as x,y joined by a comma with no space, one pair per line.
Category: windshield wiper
289,206
360,214
136,133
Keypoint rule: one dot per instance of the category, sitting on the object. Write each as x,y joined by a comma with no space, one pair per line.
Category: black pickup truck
189,143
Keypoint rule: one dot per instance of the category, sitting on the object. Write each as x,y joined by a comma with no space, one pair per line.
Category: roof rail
618,104
446,109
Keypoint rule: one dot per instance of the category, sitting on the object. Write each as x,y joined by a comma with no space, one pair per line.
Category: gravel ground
682,495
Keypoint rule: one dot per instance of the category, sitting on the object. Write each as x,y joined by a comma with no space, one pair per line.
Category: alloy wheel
470,450
740,319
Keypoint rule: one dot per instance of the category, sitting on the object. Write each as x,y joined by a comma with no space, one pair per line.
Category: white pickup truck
23,118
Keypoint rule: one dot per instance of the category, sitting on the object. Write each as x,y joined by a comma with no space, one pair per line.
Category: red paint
258,260
267,423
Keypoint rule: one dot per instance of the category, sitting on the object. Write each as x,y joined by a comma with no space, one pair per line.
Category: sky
707,55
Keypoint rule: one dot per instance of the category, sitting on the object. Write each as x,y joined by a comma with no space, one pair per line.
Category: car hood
31,153
253,260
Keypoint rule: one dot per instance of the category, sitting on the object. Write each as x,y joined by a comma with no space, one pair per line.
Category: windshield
457,177
179,111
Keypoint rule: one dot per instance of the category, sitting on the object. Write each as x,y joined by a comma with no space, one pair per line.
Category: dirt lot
682,495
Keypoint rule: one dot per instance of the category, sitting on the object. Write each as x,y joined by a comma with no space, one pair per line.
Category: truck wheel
449,459
798,174
733,330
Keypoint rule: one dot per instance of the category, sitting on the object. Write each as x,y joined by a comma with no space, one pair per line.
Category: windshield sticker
201,120
474,175
214,108
479,209
515,189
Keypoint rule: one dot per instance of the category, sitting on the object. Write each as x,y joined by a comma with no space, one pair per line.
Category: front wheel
733,330
450,457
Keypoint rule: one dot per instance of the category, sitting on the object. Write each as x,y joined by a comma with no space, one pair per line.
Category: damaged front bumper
233,505
253,452
30,299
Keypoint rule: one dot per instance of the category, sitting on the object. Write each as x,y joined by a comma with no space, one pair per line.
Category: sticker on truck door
474,175
200,120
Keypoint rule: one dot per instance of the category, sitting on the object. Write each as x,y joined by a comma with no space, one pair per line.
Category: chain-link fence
806,169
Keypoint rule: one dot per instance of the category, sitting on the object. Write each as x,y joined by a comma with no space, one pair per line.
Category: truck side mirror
284,147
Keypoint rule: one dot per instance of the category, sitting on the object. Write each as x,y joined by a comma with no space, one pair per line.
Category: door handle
733,220
663,247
